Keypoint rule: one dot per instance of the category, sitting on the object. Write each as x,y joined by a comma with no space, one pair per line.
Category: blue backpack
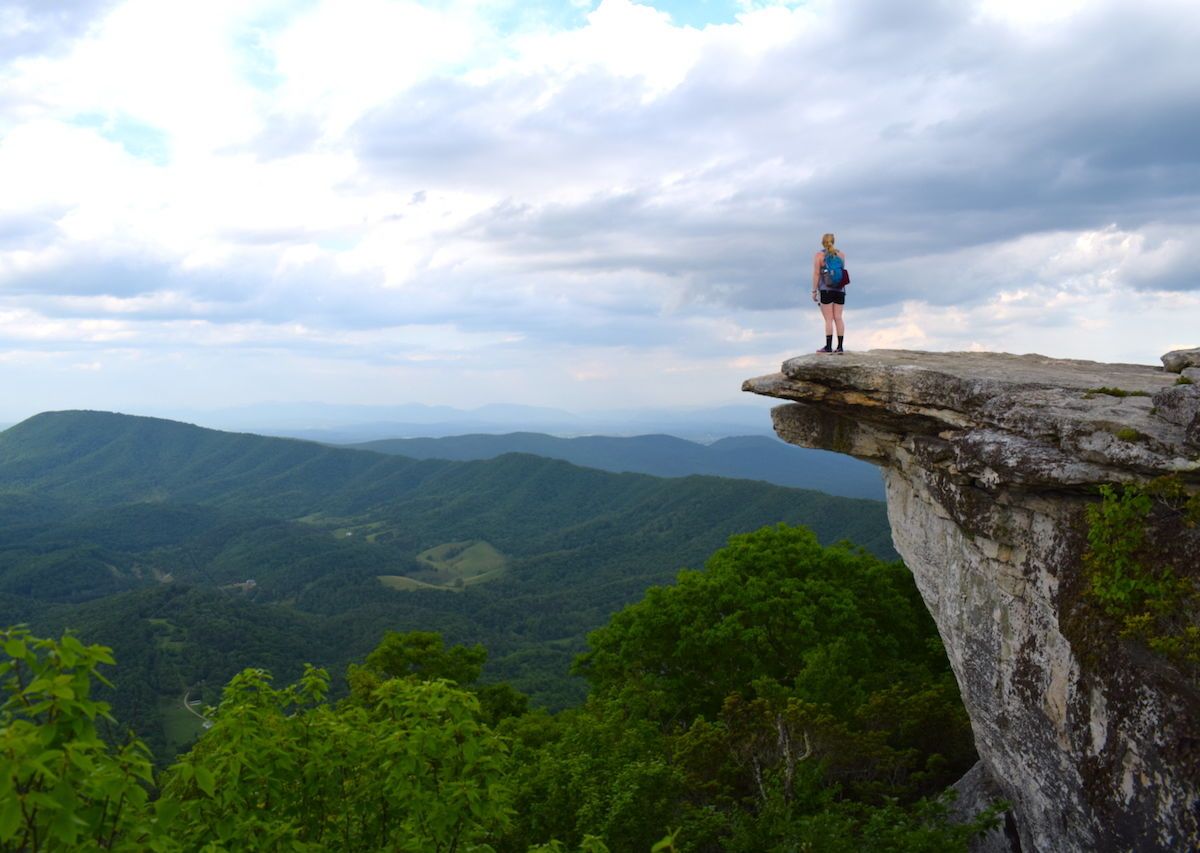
834,271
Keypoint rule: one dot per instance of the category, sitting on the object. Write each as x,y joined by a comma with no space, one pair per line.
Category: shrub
62,787
1131,573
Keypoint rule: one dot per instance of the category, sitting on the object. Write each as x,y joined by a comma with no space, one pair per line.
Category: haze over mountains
725,441
346,424
145,534
750,457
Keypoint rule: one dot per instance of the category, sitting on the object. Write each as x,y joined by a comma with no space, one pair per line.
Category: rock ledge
989,460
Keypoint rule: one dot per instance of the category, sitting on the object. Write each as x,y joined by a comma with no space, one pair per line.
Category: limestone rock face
989,460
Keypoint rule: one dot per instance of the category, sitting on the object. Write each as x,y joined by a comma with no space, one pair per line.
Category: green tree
61,785
594,771
501,701
773,608
790,684
422,655
411,767
414,769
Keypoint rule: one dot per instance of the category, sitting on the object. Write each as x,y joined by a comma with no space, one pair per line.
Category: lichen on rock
989,461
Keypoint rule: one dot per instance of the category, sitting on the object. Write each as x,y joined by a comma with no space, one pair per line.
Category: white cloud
520,209
170,65
345,57
622,39
1031,14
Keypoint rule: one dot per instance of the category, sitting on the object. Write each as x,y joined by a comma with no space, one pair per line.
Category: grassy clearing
483,578
452,566
368,532
401,582
346,527
465,560
169,637
180,726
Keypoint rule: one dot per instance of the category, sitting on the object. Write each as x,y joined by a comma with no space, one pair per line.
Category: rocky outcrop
989,460
975,792
1176,361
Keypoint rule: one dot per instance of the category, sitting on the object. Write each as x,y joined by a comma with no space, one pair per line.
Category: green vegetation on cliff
1141,565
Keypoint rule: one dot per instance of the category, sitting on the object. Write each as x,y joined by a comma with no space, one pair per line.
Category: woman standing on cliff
832,295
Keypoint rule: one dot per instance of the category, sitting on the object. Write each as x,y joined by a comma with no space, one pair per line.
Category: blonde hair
832,239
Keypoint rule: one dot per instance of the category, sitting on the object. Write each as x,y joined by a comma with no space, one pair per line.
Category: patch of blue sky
514,15
337,244
256,63
144,141
699,13
506,17
511,16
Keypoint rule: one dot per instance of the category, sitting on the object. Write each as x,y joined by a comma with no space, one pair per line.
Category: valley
195,553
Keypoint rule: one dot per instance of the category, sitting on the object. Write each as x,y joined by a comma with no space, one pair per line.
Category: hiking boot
824,349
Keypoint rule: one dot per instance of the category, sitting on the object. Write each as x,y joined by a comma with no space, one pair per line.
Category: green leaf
10,817
205,780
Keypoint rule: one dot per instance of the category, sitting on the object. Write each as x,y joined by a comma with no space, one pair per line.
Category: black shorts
833,297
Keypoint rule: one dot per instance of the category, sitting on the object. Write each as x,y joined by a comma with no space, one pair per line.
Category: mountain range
195,552
749,457
346,424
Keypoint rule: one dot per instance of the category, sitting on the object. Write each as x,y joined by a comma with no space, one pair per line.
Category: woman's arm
816,270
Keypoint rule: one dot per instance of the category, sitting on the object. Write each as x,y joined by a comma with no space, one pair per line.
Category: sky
578,204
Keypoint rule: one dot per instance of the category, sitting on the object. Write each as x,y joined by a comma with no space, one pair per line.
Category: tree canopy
786,697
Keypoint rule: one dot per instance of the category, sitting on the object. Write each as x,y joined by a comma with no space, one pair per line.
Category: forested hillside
787,697
195,553
751,457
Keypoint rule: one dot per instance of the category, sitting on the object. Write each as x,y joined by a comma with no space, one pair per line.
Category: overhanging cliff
989,461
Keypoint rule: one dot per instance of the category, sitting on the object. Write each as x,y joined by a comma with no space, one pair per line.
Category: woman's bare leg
827,312
837,319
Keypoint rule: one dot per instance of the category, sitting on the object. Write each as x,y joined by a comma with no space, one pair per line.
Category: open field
401,582
452,566
180,726
169,638
466,560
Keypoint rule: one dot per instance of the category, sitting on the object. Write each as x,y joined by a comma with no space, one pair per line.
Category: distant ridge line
749,457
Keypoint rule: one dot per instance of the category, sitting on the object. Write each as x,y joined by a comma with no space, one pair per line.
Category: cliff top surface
1028,418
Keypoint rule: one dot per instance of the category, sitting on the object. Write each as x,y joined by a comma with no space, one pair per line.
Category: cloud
914,152
32,27
507,184
1166,258
20,230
